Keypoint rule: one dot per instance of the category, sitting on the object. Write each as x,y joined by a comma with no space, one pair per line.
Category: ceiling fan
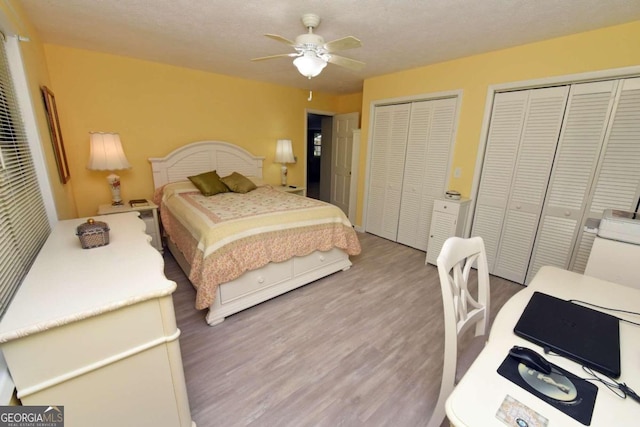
311,52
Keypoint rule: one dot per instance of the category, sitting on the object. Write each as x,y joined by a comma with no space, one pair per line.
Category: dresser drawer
70,349
446,207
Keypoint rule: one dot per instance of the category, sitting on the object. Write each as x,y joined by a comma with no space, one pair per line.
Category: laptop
579,333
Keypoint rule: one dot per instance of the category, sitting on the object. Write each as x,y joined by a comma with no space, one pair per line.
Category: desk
479,394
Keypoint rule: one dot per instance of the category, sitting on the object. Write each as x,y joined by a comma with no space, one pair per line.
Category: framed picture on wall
56,134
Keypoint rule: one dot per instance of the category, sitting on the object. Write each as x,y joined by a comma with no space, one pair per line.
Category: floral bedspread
223,236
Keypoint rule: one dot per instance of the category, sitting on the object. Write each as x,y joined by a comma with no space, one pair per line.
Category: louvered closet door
543,120
507,119
429,142
617,181
388,147
581,139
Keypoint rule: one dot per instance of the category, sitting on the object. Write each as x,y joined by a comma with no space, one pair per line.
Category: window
24,225
317,144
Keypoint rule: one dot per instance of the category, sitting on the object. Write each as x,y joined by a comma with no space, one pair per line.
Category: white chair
461,310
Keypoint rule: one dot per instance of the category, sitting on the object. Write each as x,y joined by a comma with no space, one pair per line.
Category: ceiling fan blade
282,55
280,39
344,43
349,63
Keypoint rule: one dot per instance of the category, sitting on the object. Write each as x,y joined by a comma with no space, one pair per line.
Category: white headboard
204,156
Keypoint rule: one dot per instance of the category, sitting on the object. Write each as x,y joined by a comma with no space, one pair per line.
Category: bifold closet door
541,129
521,144
505,129
581,140
617,180
429,142
388,146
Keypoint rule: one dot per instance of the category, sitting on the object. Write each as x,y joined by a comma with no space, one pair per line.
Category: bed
300,239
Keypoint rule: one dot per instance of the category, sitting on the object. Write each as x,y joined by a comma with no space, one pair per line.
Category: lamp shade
106,152
284,152
309,65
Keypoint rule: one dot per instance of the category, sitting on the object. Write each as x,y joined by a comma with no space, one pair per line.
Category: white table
480,393
300,191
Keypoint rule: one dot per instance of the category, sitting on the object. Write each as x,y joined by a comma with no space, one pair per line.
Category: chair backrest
461,310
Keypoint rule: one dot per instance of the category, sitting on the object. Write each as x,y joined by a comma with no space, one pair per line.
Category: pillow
259,182
209,183
238,183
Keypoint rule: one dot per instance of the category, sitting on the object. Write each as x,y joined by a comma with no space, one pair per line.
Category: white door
342,144
507,120
617,182
543,120
429,143
388,144
581,140
355,159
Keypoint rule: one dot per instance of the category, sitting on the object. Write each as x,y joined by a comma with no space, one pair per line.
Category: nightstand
149,214
300,191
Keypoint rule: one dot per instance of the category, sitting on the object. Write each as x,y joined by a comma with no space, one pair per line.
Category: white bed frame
254,286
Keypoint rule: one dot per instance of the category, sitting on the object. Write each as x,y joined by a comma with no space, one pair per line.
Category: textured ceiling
221,36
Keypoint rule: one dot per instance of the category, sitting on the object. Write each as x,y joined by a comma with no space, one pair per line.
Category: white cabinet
94,330
410,154
448,220
614,261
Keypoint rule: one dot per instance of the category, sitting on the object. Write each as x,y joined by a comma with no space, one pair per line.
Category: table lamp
106,154
284,155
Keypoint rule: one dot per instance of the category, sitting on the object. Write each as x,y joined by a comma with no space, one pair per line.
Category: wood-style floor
363,347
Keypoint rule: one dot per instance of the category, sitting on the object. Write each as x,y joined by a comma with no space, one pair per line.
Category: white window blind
24,226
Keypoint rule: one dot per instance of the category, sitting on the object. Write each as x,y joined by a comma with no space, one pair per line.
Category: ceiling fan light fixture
309,64
311,52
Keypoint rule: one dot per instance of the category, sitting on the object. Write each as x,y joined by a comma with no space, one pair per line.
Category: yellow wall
157,108
606,48
37,75
350,103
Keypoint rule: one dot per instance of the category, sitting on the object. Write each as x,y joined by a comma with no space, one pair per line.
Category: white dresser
448,220
94,330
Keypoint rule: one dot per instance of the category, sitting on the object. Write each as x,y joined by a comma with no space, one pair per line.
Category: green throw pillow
209,183
238,183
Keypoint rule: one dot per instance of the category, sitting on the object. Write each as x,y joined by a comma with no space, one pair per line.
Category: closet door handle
567,213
